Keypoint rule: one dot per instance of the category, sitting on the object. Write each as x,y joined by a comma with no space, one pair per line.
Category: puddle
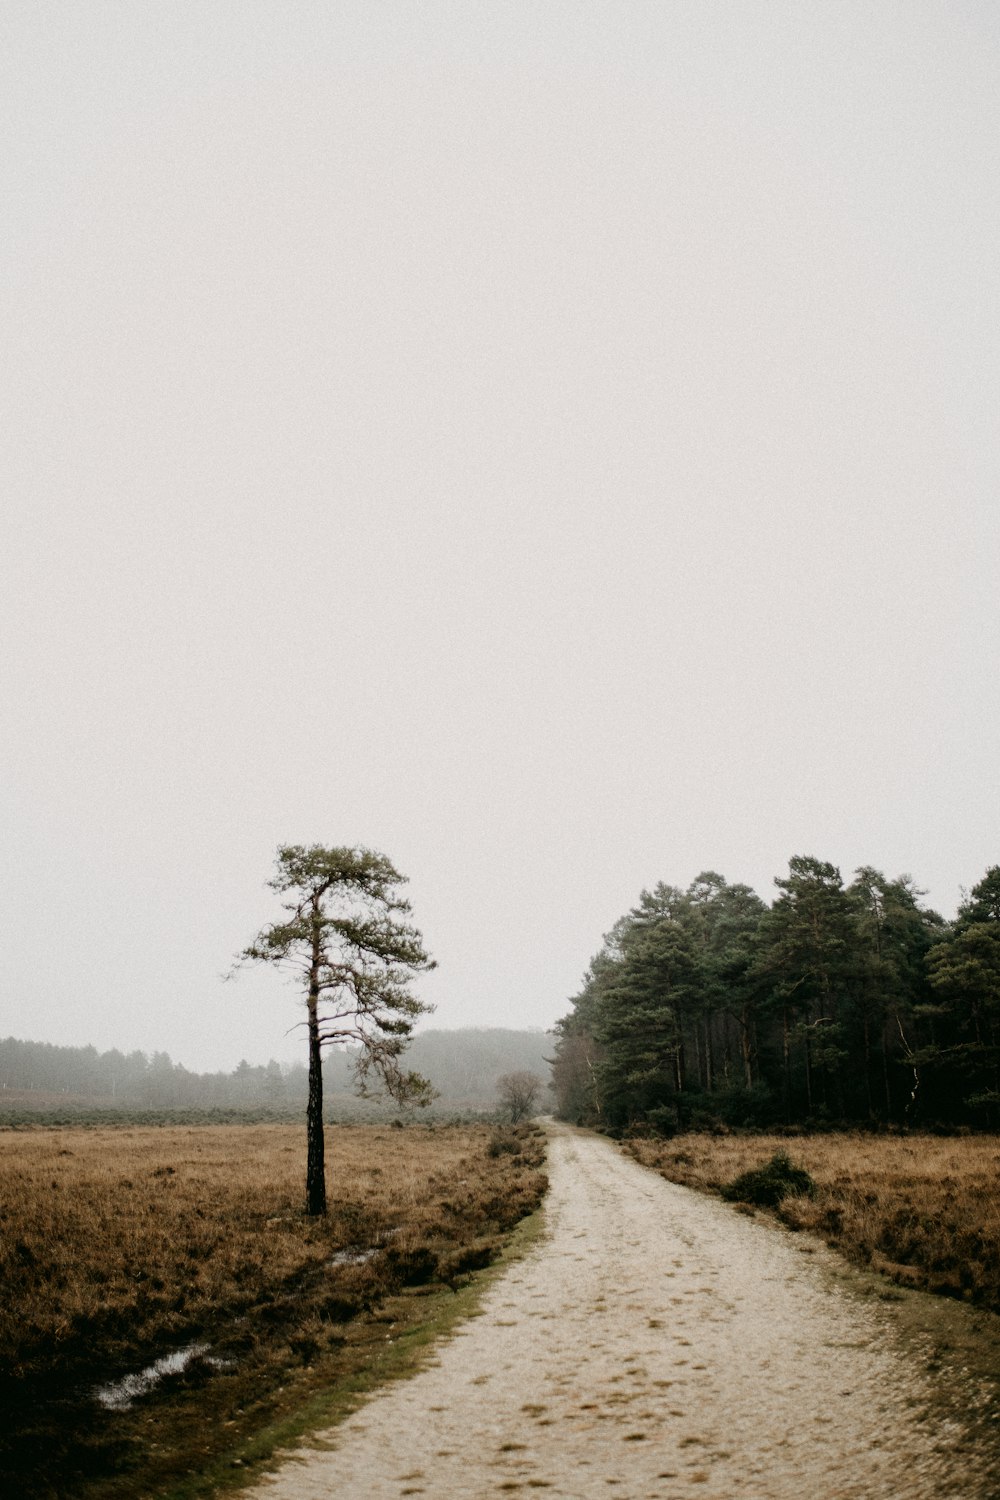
353,1256
119,1395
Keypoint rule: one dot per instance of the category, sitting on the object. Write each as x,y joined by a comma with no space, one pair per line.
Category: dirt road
660,1344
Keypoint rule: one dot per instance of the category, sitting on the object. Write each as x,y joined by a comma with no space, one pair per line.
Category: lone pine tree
346,937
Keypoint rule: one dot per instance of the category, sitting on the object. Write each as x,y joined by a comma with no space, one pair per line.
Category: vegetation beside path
921,1209
119,1247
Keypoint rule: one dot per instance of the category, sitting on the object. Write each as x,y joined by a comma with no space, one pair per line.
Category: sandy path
657,1341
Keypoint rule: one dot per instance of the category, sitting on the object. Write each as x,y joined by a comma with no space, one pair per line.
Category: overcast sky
554,443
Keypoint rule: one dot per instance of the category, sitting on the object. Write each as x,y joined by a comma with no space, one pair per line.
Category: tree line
141,1080
463,1065
838,1003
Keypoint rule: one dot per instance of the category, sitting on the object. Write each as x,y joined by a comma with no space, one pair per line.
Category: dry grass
922,1209
120,1245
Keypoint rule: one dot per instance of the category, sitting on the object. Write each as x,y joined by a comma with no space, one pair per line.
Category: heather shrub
768,1185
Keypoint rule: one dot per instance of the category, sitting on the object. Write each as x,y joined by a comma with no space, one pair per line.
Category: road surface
659,1344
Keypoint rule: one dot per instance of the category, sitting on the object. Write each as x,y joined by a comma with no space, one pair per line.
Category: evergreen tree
808,954
346,939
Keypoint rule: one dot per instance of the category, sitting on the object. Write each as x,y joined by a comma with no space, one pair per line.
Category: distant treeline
141,1080
463,1065
838,1003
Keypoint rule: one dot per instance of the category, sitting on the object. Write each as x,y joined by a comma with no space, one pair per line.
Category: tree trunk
786,1066
315,1163
885,1075
746,1048
315,1144
809,1082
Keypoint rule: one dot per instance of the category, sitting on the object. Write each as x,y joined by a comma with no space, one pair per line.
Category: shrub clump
504,1143
768,1185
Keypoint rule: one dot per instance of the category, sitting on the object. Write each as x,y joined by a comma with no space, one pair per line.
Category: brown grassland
121,1245
921,1209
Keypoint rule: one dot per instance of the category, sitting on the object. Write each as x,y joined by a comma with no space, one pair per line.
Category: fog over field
553,444
463,1067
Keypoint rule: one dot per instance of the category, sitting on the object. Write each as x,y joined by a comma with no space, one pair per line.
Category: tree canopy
838,1002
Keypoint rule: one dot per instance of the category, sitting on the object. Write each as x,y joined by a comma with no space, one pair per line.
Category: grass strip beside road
417,1326
923,1210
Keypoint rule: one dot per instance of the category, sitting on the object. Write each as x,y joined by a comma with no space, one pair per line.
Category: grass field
922,1209
120,1246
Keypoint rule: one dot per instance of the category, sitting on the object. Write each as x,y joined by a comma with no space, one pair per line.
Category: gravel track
657,1343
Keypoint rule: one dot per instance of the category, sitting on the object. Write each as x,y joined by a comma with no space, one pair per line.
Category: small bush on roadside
473,1258
503,1143
406,1266
663,1120
767,1186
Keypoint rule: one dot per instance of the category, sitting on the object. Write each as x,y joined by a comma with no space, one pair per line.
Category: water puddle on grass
119,1395
353,1256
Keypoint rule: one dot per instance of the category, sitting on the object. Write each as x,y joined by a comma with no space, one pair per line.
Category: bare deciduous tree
519,1094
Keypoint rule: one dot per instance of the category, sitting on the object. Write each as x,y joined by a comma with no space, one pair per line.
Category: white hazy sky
552,442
